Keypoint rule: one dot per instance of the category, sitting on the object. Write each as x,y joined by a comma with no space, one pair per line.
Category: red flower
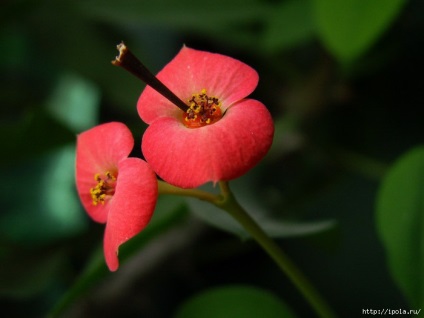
114,189
221,136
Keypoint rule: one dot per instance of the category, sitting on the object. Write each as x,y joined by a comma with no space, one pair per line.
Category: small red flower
113,188
222,134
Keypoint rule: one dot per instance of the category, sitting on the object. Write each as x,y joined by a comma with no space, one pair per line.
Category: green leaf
290,24
75,102
40,201
273,224
234,302
210,15
349,28
274,227
400,223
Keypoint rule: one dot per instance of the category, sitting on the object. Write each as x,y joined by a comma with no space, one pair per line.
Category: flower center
105,187
203,110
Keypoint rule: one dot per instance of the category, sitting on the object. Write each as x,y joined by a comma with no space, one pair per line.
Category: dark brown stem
131,63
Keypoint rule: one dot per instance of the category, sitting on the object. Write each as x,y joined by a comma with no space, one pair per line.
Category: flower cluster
215,134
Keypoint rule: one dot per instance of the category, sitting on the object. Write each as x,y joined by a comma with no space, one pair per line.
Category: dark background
341,121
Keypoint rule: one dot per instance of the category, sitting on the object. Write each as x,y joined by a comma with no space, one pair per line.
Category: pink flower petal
222,151
99,149
131,208
191,71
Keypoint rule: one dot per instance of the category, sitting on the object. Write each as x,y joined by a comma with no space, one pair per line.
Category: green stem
230,205
166,188
227,202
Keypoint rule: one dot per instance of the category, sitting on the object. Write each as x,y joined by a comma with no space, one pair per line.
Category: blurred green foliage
350,27
236,302
400,219
343,82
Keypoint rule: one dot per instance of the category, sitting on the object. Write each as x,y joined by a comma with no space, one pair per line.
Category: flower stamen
203,110
105,187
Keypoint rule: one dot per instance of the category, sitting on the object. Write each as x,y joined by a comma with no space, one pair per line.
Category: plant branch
166,188
227,202
230,205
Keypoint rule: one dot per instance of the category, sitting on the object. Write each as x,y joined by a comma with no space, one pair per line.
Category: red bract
113,188
221,136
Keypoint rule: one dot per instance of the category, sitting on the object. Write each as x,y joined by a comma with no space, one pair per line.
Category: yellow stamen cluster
203,110
105,187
